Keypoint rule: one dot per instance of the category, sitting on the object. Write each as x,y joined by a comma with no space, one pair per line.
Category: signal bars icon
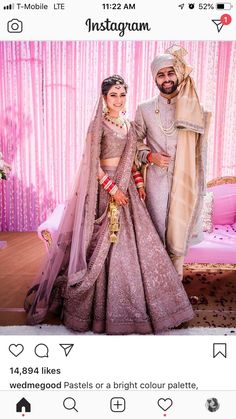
9,7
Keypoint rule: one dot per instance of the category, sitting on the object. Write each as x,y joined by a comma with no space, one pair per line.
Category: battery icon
224,6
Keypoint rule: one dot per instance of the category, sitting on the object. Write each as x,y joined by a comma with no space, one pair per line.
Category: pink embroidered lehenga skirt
137,289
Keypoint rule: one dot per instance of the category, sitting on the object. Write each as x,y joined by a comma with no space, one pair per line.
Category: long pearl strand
169,131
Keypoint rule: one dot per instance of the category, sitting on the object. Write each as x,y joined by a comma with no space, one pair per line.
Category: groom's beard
172,87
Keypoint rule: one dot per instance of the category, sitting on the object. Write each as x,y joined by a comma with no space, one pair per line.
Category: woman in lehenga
108,270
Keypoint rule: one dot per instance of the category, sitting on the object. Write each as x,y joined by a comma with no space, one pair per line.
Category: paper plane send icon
67,347
218,24
181,6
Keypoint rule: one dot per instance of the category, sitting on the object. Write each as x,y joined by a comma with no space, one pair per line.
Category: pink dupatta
67,264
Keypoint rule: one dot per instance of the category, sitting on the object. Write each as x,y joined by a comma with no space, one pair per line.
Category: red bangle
138,179
108,185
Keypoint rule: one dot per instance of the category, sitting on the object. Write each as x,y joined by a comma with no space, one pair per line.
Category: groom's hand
161,160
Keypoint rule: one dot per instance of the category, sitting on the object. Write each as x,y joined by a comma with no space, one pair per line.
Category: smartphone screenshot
117,209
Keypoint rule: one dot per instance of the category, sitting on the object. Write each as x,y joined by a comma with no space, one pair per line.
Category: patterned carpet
213,296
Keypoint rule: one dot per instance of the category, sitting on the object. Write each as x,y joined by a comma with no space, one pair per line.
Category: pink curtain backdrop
48,92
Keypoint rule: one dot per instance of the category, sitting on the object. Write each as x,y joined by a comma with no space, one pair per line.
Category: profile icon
212,404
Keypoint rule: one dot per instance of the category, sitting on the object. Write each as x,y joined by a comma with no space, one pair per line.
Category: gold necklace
118,121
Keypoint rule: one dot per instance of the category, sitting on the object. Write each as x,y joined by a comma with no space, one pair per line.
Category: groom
174,127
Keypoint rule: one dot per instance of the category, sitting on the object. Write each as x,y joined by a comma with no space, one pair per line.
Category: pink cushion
224,206
217,247
207,212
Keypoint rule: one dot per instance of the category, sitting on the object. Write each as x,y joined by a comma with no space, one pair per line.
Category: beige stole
187,186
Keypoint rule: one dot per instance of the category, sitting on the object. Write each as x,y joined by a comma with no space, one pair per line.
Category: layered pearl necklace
169,131
117,121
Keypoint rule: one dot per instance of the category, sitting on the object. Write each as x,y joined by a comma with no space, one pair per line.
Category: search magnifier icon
69,403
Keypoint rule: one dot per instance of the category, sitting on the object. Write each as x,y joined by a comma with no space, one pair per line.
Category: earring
105,110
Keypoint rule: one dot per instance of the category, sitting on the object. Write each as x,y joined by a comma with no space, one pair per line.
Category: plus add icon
117,404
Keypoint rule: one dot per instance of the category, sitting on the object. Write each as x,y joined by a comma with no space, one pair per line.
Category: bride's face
115,100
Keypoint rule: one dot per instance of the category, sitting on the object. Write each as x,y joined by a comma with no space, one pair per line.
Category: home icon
23,406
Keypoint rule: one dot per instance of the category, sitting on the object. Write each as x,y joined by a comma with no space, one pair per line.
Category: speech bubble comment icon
164,404
41,350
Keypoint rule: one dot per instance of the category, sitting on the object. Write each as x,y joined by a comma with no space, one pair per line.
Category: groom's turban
161,61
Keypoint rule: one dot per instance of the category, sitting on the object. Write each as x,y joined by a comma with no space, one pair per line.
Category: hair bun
112,81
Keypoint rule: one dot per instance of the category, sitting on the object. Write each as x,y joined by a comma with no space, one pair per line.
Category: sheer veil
67,257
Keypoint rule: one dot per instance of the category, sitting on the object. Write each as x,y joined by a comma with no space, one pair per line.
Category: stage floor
20,262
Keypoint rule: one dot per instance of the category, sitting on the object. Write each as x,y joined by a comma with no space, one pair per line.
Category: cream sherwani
159,180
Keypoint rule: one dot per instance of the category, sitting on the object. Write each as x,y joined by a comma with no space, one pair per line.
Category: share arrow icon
181,6
67,347
218,24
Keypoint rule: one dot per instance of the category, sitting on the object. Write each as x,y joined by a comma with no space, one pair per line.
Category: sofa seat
217,247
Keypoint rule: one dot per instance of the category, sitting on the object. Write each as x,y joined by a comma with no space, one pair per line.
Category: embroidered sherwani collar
163,100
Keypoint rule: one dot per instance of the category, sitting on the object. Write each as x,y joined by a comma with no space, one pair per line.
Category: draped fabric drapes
48,92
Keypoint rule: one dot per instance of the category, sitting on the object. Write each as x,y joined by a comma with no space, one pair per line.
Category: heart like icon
16,350
165,404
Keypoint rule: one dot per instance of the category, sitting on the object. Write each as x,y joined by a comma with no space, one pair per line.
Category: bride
108,270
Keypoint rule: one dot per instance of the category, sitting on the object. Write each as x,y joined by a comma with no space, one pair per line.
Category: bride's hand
142,193
120,198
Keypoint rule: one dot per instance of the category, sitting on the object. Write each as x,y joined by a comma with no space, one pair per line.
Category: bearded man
175,129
